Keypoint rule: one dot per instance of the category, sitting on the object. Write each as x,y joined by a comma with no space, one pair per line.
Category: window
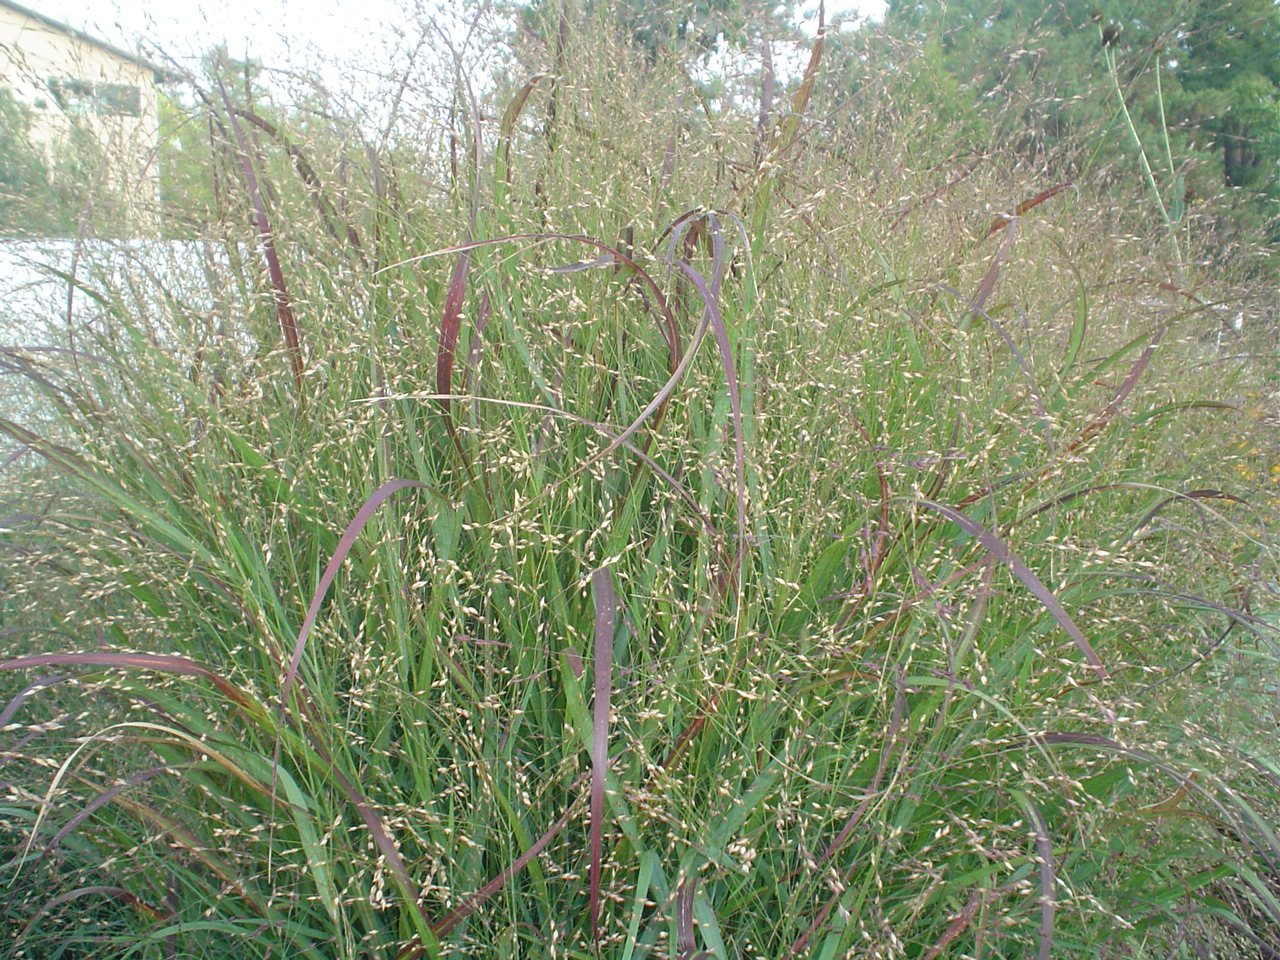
119,99
79,98
75,97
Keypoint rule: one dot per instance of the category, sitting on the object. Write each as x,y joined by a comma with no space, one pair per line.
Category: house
77,89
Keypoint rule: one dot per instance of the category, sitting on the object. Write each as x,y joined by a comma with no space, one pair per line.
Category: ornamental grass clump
603,517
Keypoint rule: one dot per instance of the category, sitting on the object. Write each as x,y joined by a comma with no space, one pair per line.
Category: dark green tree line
684,27
1201,82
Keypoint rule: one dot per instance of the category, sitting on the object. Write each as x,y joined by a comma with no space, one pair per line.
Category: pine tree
1228,62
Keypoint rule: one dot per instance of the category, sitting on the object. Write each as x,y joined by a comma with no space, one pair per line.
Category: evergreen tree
1228,62
1200,78
685,27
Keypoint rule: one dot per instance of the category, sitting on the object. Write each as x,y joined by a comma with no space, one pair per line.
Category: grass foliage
607,520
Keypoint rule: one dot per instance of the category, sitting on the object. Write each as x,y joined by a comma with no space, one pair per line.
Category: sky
282,32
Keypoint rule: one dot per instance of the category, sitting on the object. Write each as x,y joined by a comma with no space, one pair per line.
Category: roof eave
159,73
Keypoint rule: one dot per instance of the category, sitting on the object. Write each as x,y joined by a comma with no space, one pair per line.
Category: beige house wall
67,81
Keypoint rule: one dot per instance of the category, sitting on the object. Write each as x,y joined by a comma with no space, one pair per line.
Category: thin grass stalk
1109,56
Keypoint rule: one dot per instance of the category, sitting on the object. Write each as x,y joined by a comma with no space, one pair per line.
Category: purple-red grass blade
372,821
1122,392
161,663
328,215
348,540
473,903
977,308
988,284
678,225
1048,878
691,732
1189,495
21,697
999,223
961,920
1136,371
14,457
426,933
943,473
196,848
686,944
721,331
895,728
613,433
478,899
1100,422
666,320
105,797
119,893
1000,550
602,588
890,745
942,191
450,323
280,292
1073,495
690,223
680,361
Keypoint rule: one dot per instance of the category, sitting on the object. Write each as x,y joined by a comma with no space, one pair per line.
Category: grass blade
713,317
1048,879
666,320
686,945
348,540
280,292
103,798
991,277
117,893
999,223
477,899
800,102
18,699
1108,412
449,325
307,173
602,587
1192,495
873,789
1034,390
998,549
161,663
395,862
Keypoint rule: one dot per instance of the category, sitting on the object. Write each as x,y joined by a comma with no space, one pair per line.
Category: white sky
284,32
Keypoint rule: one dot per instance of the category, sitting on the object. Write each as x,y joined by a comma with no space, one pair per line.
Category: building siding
67,81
